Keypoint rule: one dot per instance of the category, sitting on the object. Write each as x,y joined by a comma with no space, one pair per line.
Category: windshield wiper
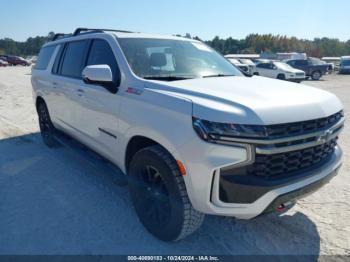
217,75
167,77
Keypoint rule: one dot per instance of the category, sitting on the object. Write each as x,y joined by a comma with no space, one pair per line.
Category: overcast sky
21,19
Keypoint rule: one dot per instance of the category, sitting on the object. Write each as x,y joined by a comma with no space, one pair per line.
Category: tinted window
102,54
301,62
44,57
55,67
73,60
265,66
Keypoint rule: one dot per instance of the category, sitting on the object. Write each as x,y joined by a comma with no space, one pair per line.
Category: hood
295,71
251,100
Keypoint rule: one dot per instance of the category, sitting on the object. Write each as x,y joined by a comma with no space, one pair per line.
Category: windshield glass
171,60
283,66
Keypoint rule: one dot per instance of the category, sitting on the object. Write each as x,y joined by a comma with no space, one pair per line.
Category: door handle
54,84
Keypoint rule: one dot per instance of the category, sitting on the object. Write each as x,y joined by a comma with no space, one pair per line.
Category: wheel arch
138,142
281,76
38,101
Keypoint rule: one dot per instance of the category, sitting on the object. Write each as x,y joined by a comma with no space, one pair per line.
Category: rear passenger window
56,64
72,65
44,57
102,54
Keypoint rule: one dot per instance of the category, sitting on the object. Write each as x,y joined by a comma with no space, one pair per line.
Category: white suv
279,70
191,133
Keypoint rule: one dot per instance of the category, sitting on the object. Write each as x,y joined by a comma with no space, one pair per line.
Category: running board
87,157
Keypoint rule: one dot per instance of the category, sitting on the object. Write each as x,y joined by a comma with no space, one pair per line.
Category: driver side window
102,54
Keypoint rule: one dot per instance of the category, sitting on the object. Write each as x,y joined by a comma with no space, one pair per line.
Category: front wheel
281,77
159,195
316,75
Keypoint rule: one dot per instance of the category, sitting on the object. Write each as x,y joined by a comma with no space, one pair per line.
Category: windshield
284,66
171,60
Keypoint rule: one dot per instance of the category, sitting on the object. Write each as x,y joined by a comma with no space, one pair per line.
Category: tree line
253,43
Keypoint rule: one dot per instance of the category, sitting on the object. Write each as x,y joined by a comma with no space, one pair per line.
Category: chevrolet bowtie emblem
325,136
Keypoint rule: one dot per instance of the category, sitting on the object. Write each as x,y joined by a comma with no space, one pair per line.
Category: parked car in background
321,62
249,63
260,60
237,63
279,70
32,59
344,66
3,63
334,61
17,60
311,66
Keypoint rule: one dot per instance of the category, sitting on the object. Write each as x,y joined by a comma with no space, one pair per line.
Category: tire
316,75
281,77
159,195
47,129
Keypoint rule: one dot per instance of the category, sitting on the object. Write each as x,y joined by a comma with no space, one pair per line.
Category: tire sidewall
148,157
47,135
316,77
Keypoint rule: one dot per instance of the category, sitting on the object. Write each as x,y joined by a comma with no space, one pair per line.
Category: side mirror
100,75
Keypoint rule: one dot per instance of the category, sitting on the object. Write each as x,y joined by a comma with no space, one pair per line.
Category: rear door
67,80
266,69
302,65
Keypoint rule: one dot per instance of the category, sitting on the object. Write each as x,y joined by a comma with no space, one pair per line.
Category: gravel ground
60,202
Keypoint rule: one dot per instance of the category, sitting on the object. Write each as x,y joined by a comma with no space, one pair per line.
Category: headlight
213,131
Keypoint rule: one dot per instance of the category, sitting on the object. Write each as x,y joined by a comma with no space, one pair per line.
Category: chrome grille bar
270,146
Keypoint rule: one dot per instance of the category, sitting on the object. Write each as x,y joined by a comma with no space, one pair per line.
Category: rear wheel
316,75
159,195
46,127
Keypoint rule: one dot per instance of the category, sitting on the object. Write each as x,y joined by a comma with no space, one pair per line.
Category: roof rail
58,36
80,30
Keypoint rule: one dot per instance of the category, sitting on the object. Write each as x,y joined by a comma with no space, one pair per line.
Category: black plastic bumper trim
244,189
299,193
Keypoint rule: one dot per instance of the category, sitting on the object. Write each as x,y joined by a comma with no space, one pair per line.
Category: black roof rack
80,30
58,36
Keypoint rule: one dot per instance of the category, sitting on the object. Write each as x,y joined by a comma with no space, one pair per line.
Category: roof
82,33
331,58
247,56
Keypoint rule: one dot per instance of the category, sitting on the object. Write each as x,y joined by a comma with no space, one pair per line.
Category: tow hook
284,207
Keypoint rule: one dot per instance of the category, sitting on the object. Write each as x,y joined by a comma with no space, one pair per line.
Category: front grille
270,166
304,127
300,74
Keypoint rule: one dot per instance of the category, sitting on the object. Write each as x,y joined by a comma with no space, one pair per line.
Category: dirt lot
60,202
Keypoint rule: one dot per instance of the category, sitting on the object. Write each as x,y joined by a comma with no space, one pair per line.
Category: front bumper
272,196
291,197
344,70
250,197
296,78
